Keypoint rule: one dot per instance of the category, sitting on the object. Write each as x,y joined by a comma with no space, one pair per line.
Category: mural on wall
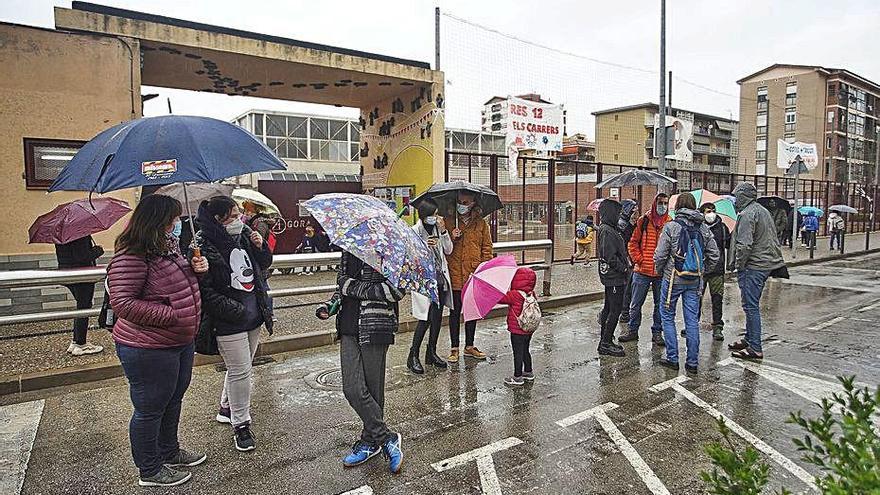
402,141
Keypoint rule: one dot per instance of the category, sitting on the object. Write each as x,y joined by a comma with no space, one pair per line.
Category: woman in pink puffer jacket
154,292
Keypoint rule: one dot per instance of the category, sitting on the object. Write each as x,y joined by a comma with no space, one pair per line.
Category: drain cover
331,379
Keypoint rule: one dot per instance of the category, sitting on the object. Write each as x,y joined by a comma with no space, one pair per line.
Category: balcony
708,150
701,131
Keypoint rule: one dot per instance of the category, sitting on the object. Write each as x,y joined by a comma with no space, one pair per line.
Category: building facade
625,136
833,108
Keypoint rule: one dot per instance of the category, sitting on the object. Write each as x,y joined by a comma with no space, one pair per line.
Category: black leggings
470,328
84,295
522,358
435,319
611,311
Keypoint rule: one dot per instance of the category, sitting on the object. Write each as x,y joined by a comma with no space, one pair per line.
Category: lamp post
876,182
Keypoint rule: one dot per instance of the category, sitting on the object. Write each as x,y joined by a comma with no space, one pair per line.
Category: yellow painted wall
620,137
57,85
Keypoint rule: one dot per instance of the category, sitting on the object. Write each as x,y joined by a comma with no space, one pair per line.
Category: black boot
611,349
414,364
431,357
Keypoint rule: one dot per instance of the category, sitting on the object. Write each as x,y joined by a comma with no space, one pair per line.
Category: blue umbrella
155,151
805,210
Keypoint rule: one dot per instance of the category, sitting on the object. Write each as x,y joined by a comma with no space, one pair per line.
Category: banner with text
787,154
531,126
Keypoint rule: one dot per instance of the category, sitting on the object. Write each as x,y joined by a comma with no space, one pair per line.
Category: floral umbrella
723,206
365,227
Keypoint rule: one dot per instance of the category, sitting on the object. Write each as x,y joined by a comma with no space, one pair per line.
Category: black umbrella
780,202
446,195
637,177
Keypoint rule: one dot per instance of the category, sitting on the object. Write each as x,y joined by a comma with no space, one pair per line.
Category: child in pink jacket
523,282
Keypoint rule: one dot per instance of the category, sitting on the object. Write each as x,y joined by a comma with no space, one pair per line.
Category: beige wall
810,116
57,86
629,128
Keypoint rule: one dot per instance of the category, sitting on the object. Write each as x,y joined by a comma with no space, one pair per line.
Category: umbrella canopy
723,206
489,283
71,221
842,209
637,177
594,204
365,227
163,150
806,210
446,195
780,203
195,193
242,195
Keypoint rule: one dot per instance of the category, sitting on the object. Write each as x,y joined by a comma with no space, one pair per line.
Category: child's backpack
689,254
582,230
530,317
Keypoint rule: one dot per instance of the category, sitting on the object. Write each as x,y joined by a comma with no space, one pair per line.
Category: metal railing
44,278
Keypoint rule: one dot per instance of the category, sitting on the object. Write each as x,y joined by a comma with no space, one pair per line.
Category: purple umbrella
71,221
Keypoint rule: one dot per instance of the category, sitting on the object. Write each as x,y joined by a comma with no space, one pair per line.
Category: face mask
431,220
622,223
711,217
235,227
661,209
462,209
177,229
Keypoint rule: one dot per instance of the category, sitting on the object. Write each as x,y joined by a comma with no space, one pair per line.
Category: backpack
529,318
689,253
582,230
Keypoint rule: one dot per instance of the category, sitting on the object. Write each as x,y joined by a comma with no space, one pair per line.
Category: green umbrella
723,206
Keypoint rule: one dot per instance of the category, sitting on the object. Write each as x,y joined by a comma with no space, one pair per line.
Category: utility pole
436,38
876,183
661,141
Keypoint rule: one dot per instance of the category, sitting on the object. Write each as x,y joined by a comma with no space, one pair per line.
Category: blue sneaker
360,453
393,452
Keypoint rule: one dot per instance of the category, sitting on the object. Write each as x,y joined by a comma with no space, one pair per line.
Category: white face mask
432,220
235,227
462,209
711,217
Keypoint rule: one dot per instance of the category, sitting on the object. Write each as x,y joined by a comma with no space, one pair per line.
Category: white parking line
869,308
18,429
651,481
485,465
827,324
785,462
363,490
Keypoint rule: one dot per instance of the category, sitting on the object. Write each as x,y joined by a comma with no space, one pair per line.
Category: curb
29,382
853,254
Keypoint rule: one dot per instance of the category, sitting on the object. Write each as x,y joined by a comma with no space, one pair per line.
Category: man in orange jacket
641,250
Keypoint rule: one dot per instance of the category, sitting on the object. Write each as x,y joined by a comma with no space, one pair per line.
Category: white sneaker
81,350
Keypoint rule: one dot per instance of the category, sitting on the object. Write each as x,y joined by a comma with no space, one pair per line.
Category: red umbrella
71,221
594,205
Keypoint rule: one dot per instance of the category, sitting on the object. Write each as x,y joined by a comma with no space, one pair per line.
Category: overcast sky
710,44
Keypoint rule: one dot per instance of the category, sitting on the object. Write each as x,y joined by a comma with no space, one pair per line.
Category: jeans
157,380
611,312
690,302
363,384
836,235
84,295
714,284
470,327
751,286
522,358
640,284
238,352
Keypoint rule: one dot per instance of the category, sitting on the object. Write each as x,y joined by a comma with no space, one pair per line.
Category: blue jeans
690,302
751,286
640,284
157,380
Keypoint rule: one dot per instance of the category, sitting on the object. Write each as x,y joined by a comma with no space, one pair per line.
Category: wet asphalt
821,323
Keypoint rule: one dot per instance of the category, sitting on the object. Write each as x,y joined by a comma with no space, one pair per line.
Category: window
761,123
831,89
791,94
616,136
789,138
761,155
258,124
828,143
790,120
616,117
762,98
831,116
44,159
615,157
761,144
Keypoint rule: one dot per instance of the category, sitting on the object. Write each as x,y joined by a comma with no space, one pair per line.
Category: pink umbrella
489,283
594,205
77,219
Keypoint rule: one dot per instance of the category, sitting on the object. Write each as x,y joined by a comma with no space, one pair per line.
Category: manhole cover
331,379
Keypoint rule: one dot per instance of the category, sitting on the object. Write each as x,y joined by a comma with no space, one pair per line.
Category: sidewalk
42,353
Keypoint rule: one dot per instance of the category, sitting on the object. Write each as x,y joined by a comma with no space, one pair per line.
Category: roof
529,96
827,70
143,16
654,106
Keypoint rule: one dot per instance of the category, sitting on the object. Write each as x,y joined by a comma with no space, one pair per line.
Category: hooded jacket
755,245
644,240
722,239
235,291
613,261
524,280
668,244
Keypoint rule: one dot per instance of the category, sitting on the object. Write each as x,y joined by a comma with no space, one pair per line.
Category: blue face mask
661,209
462,209
177,229
432,220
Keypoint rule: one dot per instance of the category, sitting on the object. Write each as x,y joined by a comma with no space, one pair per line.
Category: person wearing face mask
472,245
626,224
641,248
308,245
714,278
237,304
154,292
432,228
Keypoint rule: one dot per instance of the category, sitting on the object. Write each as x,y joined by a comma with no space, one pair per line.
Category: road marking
485,465
363,490
869,308
676,385
18,428
642,469
827,324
